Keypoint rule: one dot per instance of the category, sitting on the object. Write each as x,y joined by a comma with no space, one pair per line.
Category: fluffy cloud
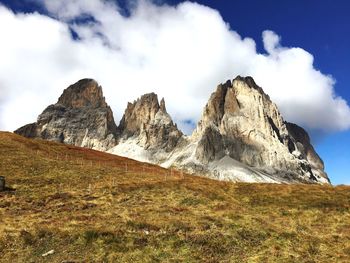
180,52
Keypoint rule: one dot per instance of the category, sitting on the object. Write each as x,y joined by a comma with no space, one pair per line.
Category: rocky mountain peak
242,123
139,113
249,82
84,93
231,97
148,121
225,100
215,108
80,117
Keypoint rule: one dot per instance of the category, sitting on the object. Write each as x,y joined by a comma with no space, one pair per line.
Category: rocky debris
80,117
148,121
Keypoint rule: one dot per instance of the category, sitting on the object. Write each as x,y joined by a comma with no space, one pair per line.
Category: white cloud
180,52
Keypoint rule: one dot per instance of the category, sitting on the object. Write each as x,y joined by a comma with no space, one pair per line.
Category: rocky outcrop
80,117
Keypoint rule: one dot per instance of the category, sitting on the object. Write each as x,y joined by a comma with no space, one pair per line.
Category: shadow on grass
8,190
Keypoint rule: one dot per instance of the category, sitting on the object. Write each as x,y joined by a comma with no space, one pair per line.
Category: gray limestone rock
148,121
250,129
80,117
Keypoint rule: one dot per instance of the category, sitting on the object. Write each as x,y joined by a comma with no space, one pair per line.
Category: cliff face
303,145
80,117
241,135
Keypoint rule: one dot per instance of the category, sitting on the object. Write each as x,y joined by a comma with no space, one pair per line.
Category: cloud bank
180,52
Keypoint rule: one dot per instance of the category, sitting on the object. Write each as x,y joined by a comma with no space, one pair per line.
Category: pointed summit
80,117
139,113
162,105
147,120
250,82
241,123
84,93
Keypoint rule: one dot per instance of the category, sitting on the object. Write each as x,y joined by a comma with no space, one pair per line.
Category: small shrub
90,236
190,201
28,238
141,226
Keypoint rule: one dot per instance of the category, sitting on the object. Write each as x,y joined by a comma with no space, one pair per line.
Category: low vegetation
68,204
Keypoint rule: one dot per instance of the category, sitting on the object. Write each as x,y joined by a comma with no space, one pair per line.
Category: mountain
241,123
80,117
241,135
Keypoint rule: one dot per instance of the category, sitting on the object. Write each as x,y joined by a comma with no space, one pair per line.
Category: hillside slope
89,206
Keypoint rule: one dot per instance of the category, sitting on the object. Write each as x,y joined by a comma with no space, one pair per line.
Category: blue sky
322,28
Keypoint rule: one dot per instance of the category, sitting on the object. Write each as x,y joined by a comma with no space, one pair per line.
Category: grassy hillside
89,206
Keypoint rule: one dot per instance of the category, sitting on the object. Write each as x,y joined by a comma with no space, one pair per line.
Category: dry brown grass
88,207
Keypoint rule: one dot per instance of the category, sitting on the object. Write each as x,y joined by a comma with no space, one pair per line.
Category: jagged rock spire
162,105
148,121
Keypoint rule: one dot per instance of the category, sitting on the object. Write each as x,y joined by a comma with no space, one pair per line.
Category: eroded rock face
302,144
148,121
84,93
80,117
241,122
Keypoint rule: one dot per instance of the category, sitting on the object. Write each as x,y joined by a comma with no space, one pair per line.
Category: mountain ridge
241,135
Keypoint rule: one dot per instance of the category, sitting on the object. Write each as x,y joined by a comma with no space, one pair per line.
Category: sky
297,51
